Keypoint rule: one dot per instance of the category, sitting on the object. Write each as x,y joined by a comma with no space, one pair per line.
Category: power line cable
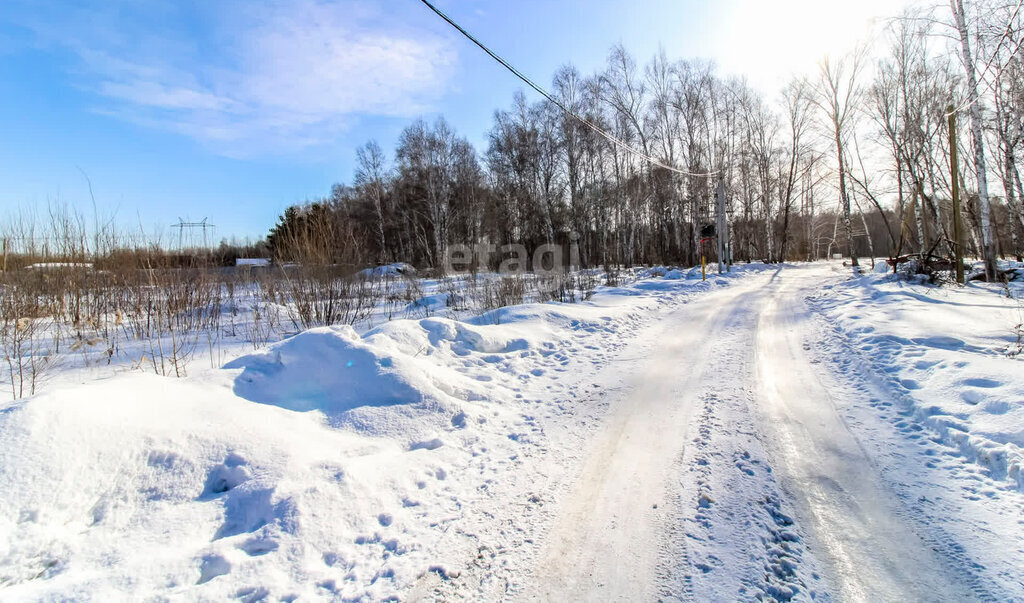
557,103
995,53
1002,38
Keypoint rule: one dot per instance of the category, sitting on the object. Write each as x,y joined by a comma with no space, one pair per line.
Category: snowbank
944,351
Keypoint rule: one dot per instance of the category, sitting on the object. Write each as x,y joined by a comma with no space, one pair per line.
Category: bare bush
612,276
319,296
26,351
506,291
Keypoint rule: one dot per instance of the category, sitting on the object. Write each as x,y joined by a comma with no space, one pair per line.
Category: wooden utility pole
926,238
721,227
954,182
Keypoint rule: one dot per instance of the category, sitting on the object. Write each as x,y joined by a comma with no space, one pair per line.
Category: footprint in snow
983,383
212,566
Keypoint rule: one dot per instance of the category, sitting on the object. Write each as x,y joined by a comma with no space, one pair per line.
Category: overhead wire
968,102
551,98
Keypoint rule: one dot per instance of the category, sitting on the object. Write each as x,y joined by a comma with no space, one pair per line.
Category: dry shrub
27,351
506,291
320,295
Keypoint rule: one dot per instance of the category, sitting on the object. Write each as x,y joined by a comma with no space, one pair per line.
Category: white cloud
248,79
158,95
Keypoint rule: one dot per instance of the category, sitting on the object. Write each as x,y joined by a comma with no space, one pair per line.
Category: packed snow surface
775,433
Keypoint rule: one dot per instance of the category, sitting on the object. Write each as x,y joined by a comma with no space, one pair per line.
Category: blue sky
233,110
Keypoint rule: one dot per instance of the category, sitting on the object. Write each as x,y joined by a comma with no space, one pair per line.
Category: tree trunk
985,219
844,197
1010,201
1020,206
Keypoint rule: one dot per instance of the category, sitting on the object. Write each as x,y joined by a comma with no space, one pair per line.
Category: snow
331,464
866,546
433,304
944,350
60,266
775,432
676,499
670,273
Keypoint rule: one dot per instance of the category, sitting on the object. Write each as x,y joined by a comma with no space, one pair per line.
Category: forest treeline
855,159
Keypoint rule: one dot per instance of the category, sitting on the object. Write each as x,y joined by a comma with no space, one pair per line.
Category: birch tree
371,175
977,136
837,96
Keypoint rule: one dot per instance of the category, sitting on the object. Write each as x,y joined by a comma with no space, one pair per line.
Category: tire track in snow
605,542
736,537
872,548
772,536
598,373
624,532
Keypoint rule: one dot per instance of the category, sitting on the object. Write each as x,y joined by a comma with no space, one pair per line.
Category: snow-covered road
727,470
602,546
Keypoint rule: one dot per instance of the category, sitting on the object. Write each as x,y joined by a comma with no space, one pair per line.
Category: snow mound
330,369
402,379
124,487
655,271
663,272
319,468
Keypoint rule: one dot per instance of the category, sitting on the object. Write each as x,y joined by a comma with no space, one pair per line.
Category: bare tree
837,96
978,137
797,100
371,176
545,173
427,155
762,128
1008,95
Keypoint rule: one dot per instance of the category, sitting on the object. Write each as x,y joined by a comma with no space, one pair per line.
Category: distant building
396,269
60,266
261,262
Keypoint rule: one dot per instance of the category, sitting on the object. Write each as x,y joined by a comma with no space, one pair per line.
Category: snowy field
772,433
